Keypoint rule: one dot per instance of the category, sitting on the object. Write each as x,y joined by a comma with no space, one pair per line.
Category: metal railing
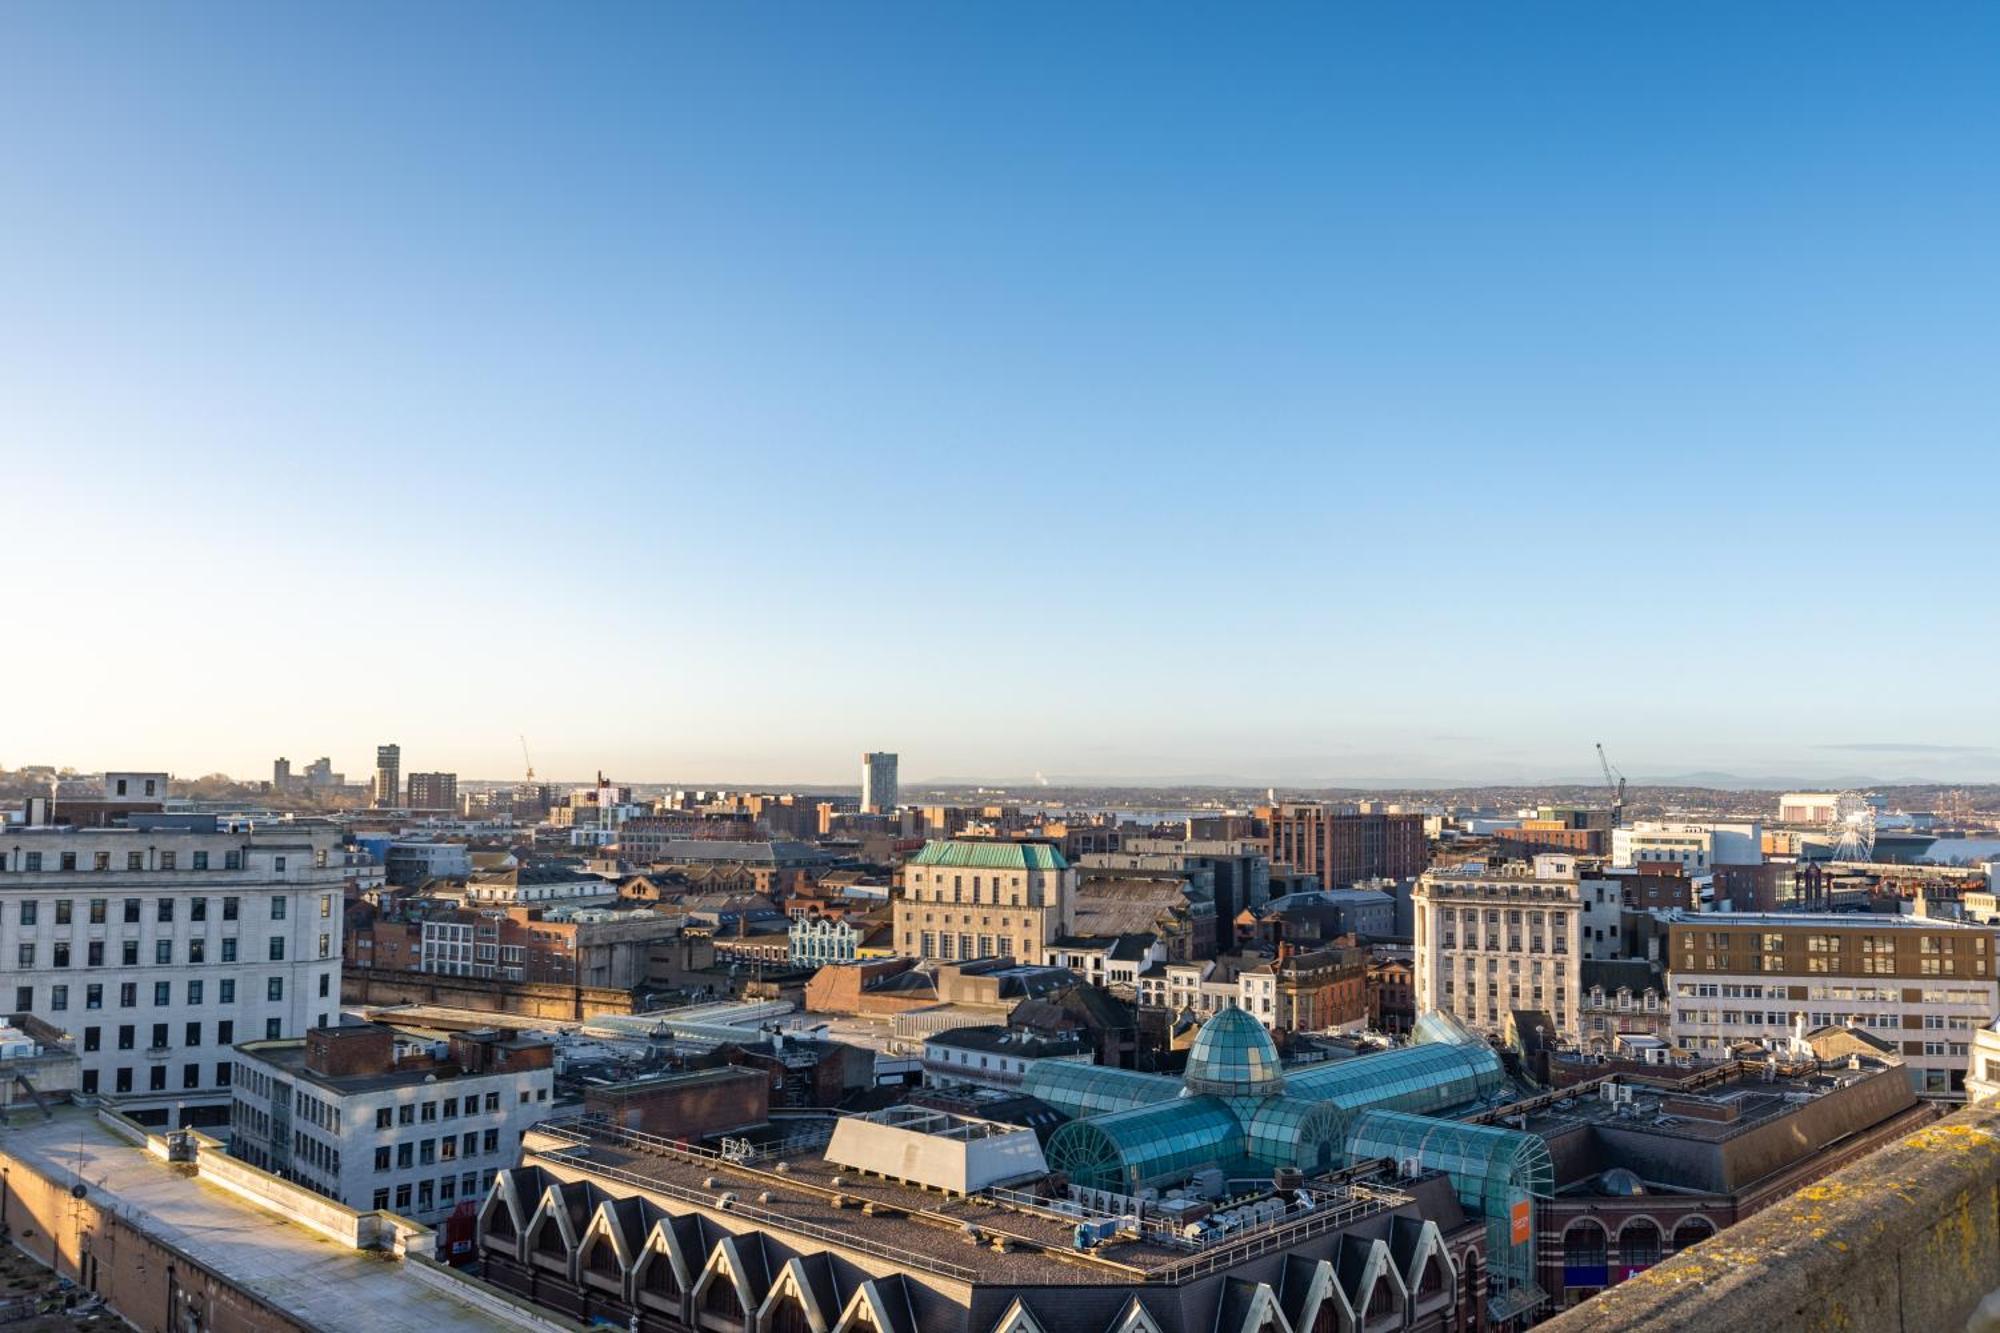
1361,1201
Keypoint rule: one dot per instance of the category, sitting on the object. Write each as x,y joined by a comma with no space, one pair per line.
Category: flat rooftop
1749,1099
1843,920
325,1284
923,1227
290,1056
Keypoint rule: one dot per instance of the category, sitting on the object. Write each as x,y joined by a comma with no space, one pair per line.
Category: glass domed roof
1233,1056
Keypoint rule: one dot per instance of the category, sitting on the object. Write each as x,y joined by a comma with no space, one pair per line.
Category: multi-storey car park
158,948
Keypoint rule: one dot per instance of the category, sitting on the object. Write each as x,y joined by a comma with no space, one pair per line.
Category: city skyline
1318,394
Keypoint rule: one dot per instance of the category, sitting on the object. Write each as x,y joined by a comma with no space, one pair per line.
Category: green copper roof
976,855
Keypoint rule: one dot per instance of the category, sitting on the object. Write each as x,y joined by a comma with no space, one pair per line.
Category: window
164,910
59,997
277,947
197,951
325,944
226,992
201,860
101,861
198,907
405,1156
135,860
274,988
167,861
93,953
382,1158
63,905
122,1079
93,1038
194,992
159,1036
402,1196
406,1114
128,1036
325,980
490,1141
28,907
34,860
273,1029
132,908
24,998
381,1199
193,1037
225,1032
229,949
98,908
129,953
93,997
383,1117
61,953
163,952
229,904
162,994
428,1112
24,953
278,903
325,906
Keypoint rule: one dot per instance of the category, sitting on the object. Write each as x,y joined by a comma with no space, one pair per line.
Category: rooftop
1680,916
976,855
325,1285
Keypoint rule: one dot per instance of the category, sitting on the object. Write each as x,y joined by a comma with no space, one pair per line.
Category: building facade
969,899
1922,984
1343,846
433,791
160,949
1490,941
878,783
388,775
374,1120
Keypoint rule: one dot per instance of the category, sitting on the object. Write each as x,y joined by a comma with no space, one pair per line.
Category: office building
1921,985
388,776
162,948
377,1119
1696,846
281,774
1494,940
969,899
878,784
433,791
1343,846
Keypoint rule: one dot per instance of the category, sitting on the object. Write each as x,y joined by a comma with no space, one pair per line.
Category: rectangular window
58,997
60,950
128,953
194,992
165,910
93,953
274,988
98,908
128,1036
201,860
162,994
226,991
101,861
24,953
163,952
273,1029
93,997
325,982
132,910
383,1117
197,951
197,909
193,1037
93,1038
62,911
24,999
229,949
190,1076
29,907
159,1036
278,903
168,861
121,1080
277,948
229,904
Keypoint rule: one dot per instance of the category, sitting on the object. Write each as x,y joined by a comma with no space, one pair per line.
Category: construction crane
531,763
1615,781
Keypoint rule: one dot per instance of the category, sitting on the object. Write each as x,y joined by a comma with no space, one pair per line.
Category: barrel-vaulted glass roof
1081,1090
1432,1077
1148,1146
1290,1131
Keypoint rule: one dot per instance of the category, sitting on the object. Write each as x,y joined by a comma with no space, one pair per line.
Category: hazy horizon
1283,393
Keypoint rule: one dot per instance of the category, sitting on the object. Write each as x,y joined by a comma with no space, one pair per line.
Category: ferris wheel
1851,828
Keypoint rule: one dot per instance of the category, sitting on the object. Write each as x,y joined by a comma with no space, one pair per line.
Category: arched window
1328,1318
1639,1244
1692,1231
1431,1281
1583,1245
502,1225
1381,1301
549,1240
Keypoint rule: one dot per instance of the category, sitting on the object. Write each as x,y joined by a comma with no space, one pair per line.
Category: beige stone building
967,899
1494,940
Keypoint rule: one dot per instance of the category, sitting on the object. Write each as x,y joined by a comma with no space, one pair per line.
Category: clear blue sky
715,391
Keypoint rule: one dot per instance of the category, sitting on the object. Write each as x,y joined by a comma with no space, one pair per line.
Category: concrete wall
526,999
1907,1238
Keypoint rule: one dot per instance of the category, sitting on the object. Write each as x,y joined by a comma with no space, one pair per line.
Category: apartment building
161,948
378,1119
1491,940
968,899
1698,847
433,791
1342,845
1922,984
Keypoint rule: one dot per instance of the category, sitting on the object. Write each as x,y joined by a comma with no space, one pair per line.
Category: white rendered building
158,949
1489,942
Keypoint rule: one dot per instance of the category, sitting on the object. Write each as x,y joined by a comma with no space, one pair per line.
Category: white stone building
380,1120
158,949
1492,941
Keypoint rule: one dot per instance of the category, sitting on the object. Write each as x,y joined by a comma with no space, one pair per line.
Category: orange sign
1524,1222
